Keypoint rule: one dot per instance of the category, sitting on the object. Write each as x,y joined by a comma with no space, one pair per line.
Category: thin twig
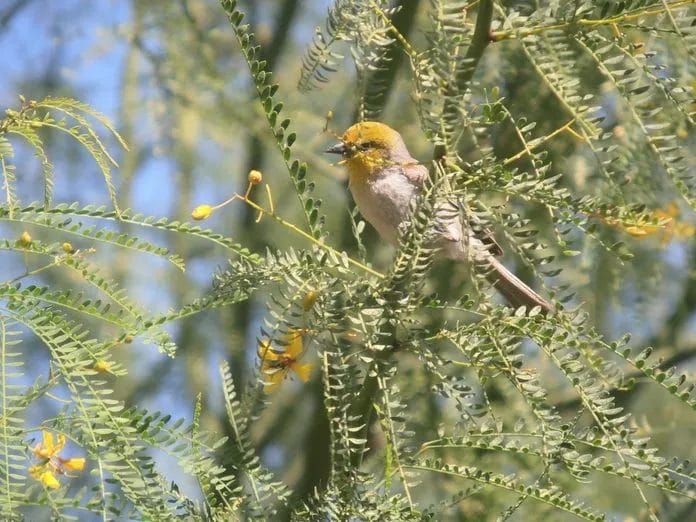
297,230
497,36
529,148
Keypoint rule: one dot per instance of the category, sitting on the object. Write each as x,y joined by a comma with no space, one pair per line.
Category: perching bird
384,179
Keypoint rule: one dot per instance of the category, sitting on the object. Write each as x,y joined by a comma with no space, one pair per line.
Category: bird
385,179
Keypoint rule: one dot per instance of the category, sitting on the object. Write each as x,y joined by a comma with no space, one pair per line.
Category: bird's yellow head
369,146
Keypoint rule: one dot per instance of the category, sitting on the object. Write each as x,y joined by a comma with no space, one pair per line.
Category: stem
586,22
479,42
528,148
363,408
29,273
304,234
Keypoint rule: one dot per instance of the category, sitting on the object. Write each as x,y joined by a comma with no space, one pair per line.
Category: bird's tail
513,289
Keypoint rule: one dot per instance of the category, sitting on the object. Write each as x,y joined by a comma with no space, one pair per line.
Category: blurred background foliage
171,78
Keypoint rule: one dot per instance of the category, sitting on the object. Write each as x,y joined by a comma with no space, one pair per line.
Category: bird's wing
454,221
416,173
485,235
453,217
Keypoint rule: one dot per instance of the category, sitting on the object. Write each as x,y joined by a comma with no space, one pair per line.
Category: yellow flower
202,212
276,365
50,463
255,177
662,221
48,448
45,476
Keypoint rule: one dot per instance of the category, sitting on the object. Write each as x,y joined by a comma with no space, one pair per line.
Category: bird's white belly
385,203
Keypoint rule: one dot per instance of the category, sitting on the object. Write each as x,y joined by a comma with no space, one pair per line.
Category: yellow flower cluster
662,221
276,365
50,463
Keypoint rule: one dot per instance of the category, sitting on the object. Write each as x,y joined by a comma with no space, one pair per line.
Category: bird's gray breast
384,200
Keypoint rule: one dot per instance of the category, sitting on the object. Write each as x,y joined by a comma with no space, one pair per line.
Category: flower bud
128,339
68,248
25,239
255,177
309,299
202,212
102,366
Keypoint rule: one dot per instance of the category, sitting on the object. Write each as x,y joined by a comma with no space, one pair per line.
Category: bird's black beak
339,148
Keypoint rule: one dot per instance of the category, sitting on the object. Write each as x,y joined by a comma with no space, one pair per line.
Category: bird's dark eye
368,145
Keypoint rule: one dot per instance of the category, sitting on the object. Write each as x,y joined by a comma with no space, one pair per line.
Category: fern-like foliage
367,26
64,115
427,398
655,106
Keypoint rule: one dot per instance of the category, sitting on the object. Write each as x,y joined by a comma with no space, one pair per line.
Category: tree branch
479,42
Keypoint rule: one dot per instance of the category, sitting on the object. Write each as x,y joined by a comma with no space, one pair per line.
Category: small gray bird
384,179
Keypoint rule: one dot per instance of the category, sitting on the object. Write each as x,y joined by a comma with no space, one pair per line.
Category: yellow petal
684,230
638,231
303,371
49,480
61,443
294,343
36,471
48,447
41,452
73,464
672,210
266,353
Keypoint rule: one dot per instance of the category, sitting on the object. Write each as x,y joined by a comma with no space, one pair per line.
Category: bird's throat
362,166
